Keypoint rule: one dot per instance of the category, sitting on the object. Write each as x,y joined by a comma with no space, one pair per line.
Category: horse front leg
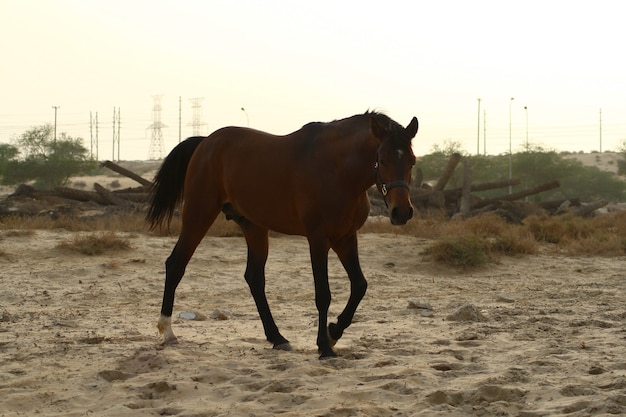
319,263
257,240
347,251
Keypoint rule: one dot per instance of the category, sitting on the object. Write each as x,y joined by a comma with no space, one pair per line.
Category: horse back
288,183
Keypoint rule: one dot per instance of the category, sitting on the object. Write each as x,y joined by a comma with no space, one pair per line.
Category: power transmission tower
196,121
116,133
156,143
93,126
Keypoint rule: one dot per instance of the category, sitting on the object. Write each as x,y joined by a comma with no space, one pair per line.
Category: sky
287,63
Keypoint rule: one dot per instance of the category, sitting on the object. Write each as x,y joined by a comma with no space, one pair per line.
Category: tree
49,162
433,164
533,166
8,153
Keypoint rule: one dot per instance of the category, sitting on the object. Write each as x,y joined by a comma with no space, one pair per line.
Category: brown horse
312,182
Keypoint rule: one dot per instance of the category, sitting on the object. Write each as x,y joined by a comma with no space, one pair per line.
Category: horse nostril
399,216
394,214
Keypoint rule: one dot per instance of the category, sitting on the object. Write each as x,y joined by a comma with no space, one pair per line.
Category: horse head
394,163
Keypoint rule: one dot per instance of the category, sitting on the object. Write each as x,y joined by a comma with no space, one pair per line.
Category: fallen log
127,173
554,205
587,209
467,186
487,186
111,198
134,197
424,199
80,195
516,196
454,160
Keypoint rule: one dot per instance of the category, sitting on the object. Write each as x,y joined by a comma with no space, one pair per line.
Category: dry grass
467,243
479,240
127,222
96,243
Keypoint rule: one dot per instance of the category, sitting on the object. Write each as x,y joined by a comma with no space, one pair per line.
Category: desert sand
78,334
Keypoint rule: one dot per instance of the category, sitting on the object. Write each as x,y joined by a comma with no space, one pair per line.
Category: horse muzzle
400,215
398,201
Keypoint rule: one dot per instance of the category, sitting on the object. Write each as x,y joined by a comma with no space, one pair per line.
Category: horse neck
359,158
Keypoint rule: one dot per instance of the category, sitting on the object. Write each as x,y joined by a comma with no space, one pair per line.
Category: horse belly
265,206
274,217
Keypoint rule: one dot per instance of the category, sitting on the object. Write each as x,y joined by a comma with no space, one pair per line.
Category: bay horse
312,182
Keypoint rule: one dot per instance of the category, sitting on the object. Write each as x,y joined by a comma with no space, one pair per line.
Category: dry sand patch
78,334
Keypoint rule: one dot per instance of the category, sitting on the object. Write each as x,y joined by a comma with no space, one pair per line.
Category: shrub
96,243
465,251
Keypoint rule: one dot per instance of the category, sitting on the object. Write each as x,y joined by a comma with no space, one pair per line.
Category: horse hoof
168,341
328,355
283,346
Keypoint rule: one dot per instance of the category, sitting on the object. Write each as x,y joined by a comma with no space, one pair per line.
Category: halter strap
385,187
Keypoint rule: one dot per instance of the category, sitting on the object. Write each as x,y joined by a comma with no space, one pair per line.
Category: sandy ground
78,334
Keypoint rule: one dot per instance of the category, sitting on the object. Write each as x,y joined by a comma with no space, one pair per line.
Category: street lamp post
510,146
55,122
247,118
526,110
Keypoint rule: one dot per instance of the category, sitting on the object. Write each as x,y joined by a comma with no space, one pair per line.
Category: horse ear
377,129
411,129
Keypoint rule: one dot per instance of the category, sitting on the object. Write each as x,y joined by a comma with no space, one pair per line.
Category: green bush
37,156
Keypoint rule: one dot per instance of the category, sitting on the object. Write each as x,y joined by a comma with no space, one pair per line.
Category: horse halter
384,187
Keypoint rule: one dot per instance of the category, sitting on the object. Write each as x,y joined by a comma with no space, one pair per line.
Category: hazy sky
291,62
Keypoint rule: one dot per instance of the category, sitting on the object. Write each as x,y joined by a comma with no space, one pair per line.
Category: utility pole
55,122
119,120
91,135
478,131
600,130
510,146
485,132
97,140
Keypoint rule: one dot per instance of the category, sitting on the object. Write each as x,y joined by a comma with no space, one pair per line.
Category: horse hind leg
195,224
257,239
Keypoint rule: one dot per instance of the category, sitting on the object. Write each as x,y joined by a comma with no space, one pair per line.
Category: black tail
166,192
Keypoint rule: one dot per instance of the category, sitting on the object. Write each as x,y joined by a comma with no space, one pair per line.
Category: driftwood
519,195
447,173
467,188
487,186
555,205
80,195
125,172
110,197
587,209
454,202
459,202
